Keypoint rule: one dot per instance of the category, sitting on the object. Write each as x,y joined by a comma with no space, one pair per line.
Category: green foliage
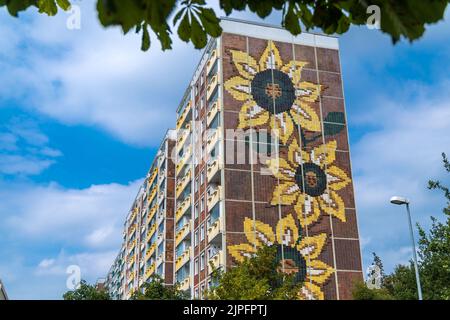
195,20
256,278
86,292
362,292
155,289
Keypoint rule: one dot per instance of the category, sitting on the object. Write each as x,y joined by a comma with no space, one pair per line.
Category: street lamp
400,201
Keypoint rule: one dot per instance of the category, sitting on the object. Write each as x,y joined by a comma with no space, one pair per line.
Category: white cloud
93,216
96,76
398,158
24,149
48,228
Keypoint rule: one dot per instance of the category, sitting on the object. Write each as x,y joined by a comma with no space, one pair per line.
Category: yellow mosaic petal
305,116
282,126
295,154
241,251
238,87
318,271
251,115
311,291
270,58
246,65
311,247
258,233
337,178
324,154
307,209
332,204
308,91
287,231
294,70
281,169
285,193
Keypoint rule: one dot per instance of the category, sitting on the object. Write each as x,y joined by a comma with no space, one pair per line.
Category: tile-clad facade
229,205
234,191
148,239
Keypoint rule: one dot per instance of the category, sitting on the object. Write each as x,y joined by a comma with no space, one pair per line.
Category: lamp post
400,201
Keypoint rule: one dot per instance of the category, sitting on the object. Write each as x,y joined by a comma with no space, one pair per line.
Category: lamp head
399,200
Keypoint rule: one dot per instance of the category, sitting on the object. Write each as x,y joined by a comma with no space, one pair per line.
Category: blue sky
82,111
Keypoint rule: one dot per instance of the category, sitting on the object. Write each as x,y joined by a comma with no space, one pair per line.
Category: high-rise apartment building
262,158
147,247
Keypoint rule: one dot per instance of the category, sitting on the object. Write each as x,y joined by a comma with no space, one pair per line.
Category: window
202,262
196,294
196,211
196,184
202,178
196,266
202,232
202,290
196,238
201,204
202,104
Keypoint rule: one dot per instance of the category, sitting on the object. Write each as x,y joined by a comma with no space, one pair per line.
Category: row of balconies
152,177
150,232
212,169
182,233
181,185
150,251
183,259
185,284
150,270
216,228
183,135
151,214
183,160
216,261
213,136
132,245
213,110
182,117
214,196
182,208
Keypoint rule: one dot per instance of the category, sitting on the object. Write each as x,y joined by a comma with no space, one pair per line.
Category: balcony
151,214
150,232
183,160
160,259
213,136
213,110
152,194
150,270
213,170
132,229
183,135
182,208
182,117
215,229
184,285
182,259
132,245
152,177
160,218
182,233
161,196
160,238
130,260
150,251
214,196
212,59
212,85
183,183
216,261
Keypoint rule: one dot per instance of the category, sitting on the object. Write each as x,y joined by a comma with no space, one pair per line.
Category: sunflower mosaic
309,180
273,93
300,254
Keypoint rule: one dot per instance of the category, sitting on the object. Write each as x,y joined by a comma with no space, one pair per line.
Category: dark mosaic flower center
273,90
311,179
291,262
